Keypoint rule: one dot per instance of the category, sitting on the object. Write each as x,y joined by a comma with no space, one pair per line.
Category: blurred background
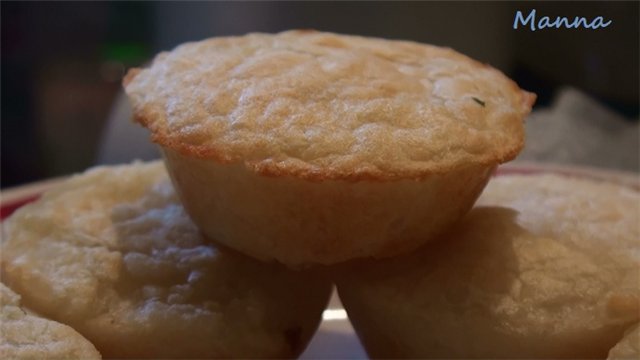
62,108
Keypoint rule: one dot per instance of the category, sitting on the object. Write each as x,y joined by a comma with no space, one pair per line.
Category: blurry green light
125,53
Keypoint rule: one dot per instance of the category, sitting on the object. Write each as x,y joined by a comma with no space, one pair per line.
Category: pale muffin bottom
299,222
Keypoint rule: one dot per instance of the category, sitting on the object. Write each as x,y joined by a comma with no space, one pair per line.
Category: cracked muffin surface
323,106
112,253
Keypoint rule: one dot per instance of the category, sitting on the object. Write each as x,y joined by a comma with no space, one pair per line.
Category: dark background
62,62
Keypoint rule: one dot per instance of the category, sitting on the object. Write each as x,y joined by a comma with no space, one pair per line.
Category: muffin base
299,222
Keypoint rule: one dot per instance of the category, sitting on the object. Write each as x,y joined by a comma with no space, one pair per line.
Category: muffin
315,148
113,254
543,267
27,336
628,347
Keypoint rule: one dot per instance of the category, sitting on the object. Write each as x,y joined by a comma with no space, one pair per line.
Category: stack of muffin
303,159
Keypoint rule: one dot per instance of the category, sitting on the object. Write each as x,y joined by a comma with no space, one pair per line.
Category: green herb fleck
480,102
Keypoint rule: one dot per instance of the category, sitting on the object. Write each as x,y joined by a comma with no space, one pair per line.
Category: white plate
335,338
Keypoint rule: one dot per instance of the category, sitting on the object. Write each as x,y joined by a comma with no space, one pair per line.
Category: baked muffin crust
628,347
112,253
544,266
24,335
323,106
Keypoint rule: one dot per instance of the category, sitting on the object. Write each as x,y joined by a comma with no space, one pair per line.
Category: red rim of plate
8,209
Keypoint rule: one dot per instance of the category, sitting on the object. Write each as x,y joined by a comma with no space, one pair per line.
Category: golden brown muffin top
324,106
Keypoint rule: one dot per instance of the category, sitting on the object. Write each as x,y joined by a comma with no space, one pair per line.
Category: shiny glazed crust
322,106
543,267
298,222
112,253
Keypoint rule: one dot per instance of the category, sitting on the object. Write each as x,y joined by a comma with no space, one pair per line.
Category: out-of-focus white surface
577,129
123,140
335,338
